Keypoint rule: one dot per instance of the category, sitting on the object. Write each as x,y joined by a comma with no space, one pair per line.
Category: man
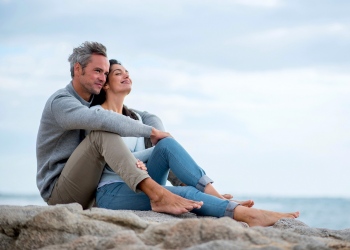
69,165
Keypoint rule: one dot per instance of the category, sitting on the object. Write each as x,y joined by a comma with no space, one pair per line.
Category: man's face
93,76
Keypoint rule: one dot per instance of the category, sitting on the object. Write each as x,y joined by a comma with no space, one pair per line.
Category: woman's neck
115,104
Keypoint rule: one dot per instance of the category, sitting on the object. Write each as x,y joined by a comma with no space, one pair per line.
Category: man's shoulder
61,93
95,107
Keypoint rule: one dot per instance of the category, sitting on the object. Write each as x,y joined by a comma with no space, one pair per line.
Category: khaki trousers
81,174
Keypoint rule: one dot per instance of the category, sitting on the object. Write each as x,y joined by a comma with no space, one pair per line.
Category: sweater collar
72,91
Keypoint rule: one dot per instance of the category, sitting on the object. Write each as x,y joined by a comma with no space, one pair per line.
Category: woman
113,193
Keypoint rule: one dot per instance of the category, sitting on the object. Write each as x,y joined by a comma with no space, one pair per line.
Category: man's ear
77,69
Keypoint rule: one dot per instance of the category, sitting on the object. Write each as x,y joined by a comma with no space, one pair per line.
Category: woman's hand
141,165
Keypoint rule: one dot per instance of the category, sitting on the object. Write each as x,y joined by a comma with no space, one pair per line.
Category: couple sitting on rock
107,165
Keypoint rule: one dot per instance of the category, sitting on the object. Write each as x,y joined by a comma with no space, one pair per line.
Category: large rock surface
70,227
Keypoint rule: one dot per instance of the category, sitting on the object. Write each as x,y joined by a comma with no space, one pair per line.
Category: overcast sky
257,91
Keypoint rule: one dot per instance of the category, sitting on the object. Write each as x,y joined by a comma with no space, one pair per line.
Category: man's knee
100,133
99,137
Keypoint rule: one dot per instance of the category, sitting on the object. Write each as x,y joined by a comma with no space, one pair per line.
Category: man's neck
80,90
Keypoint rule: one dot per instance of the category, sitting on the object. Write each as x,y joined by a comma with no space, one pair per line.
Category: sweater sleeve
70,114
150,120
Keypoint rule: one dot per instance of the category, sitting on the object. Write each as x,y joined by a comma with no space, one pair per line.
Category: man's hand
157,135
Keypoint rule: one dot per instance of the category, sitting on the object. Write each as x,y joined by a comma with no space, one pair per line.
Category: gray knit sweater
65,117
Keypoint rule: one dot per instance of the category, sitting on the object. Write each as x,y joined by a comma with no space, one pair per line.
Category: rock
71,227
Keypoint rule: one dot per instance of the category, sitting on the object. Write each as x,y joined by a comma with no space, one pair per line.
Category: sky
256,91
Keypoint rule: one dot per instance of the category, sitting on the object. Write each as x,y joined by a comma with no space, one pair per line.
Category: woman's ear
105,86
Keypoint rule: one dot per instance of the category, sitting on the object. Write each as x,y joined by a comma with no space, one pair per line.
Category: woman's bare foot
256,217
173,204
247,203
227,196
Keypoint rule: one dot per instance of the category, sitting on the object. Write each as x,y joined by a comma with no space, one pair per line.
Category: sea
317,212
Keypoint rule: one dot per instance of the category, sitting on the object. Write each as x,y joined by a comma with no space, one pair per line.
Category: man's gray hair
83,53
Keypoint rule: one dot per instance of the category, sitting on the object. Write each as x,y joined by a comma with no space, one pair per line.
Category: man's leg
82,172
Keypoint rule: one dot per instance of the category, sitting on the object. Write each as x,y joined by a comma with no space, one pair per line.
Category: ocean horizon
317,212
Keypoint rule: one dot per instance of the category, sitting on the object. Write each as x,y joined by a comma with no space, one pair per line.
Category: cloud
257,3
35,71
272,39
297,110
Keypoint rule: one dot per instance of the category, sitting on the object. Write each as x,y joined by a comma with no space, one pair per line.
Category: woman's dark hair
101,97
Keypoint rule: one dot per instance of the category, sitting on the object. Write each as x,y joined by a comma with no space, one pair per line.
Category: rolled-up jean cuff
229,209
203,181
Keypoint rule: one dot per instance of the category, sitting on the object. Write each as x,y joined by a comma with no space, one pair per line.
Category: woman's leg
214,206
169,154
119,196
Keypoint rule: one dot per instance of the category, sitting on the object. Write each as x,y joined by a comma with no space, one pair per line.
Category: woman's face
118,80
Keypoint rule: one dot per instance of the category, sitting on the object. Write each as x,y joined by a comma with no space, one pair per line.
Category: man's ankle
152,189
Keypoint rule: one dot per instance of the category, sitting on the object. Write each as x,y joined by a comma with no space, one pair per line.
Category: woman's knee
166,142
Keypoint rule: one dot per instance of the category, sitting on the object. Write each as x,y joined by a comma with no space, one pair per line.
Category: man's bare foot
173,204
164,201
256,217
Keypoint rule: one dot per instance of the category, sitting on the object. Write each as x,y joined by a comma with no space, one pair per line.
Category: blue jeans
167,154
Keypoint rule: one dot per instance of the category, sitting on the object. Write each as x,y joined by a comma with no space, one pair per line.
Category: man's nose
102,77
